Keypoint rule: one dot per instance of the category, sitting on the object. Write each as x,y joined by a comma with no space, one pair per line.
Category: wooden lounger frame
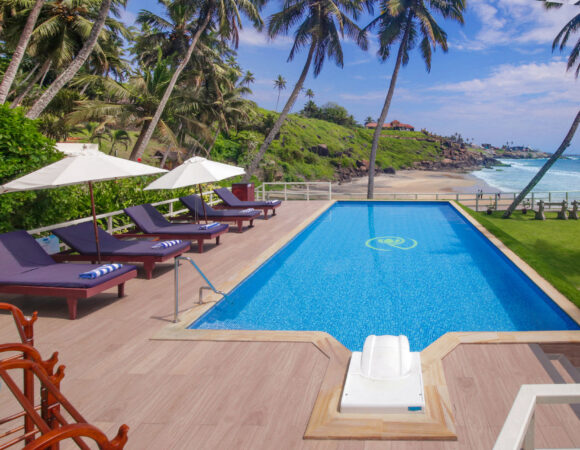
72,295
188,237
148,261
238,220
265,209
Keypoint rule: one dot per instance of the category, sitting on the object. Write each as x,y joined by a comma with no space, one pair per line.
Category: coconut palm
404,22
280,85
119,137
309,94
20,50
70,71
225,16
324,22
562,38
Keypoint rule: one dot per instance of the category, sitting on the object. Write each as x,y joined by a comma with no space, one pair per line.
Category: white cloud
250,36
513,23
127,17
533,104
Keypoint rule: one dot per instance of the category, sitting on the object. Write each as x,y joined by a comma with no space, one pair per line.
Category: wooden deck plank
255,395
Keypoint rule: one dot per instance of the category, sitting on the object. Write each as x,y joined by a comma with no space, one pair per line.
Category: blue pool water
427,271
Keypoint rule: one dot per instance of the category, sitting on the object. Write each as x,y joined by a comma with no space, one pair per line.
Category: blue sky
499,81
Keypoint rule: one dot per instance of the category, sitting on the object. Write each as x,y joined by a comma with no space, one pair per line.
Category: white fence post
329,190
285,191
307,192
110,224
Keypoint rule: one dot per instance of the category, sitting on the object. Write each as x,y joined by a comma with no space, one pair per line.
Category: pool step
559,368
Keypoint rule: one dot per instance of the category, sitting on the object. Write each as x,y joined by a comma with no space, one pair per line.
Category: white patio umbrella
196,170
83,163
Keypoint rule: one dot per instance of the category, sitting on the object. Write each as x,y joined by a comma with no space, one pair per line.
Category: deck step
560,370
564,367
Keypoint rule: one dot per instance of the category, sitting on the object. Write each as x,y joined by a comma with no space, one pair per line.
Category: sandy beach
418,181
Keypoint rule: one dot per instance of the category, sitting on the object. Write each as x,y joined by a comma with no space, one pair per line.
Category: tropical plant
405,21
81,57
369,119
324,22
225,17
118,137
309,94
280,85
562,38
20,50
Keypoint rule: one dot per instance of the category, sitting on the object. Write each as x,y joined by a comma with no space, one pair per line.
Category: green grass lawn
551,247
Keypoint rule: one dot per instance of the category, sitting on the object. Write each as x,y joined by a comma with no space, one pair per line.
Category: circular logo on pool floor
388,243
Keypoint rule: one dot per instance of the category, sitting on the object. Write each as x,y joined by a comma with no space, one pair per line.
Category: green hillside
297,154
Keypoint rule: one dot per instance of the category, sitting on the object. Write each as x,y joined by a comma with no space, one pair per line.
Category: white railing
306,190
109,216
518,431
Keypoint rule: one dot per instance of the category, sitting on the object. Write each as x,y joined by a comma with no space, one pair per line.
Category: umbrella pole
95,222
202,203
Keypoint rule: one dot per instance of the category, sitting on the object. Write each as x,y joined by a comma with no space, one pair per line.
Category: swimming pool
361,268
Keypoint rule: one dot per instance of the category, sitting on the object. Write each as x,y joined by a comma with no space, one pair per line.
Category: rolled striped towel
273,202
209,226
167,244
100,271
248,210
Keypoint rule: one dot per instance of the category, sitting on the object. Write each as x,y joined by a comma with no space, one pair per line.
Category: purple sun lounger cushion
231,200
195,205
24,262
151,221
81,238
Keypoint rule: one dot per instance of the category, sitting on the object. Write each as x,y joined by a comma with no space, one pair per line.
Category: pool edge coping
326,422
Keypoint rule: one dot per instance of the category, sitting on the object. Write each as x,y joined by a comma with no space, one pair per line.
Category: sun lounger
233,202
81,239
151,223
25,268
196,207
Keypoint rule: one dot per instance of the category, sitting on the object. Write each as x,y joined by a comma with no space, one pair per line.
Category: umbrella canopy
196,170
83,163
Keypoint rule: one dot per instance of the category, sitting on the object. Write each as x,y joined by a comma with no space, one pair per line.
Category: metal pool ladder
201,289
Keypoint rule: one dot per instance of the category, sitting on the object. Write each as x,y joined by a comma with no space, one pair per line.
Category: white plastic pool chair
384,378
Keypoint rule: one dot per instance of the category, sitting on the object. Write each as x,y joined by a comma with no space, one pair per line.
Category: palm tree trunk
563,146
278,100
276,128
386,106
25,80
20,50
215,136
141,135
139,149
76,64
40,75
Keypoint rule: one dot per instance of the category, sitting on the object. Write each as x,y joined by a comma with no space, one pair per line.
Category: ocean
564,175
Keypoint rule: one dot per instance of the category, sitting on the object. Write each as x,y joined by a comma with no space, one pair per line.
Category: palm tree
71,70
309,94
324,23
226,16
563,36
404,21
369,119
563,146
120,137
280,84
19,51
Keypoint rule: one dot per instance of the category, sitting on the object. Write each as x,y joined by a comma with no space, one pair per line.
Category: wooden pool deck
202,394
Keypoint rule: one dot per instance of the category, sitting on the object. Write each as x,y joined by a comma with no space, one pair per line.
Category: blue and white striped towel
273,202
100,271
248,210
167,244
209,226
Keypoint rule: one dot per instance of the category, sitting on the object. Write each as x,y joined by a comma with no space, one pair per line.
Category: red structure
244,191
